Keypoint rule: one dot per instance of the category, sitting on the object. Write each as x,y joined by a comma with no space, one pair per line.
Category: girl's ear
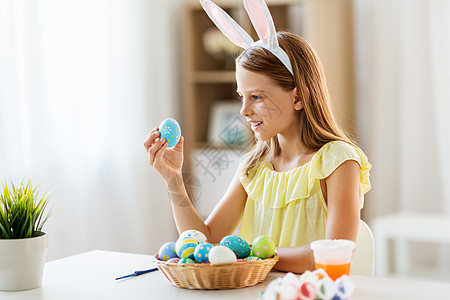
298,103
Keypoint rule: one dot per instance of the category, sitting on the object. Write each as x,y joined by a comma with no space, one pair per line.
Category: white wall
81,84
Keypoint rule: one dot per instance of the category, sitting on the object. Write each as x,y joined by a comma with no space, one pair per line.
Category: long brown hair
316,120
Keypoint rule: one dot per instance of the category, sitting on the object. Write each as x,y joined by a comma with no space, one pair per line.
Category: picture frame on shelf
227,128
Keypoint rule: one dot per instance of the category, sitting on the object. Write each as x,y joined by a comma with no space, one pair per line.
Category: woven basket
216,277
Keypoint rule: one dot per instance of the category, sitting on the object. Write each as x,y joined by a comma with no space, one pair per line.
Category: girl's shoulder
333,154
277,189
322,164
337,150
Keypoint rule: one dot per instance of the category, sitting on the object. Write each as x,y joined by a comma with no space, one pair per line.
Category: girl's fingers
154,149
159,154
151,137
179,145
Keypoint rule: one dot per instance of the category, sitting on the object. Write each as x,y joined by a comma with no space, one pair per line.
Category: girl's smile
255,124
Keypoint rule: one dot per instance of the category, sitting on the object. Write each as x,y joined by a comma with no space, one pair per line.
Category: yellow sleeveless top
289,206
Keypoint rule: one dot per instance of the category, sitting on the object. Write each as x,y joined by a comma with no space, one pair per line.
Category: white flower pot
22,262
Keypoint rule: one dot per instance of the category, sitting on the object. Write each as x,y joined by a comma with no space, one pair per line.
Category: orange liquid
335,271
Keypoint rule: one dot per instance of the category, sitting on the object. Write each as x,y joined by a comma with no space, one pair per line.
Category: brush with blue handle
137,273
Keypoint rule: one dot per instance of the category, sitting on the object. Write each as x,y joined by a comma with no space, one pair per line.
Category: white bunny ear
227,25
262,21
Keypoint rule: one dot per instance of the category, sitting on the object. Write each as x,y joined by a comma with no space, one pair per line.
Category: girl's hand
167,161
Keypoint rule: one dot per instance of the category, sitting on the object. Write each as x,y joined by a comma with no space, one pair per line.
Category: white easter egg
221,255
193,234
171,131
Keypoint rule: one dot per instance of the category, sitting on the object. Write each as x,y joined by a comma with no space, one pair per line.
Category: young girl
304,180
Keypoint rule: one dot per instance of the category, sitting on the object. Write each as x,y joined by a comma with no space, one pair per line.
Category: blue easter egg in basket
167,251
239,246
201,252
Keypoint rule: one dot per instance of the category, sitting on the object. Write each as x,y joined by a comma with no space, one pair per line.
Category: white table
91,276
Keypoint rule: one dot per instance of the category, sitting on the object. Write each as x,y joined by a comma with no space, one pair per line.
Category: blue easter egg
171,131
167,251
201,252
345,287
239,246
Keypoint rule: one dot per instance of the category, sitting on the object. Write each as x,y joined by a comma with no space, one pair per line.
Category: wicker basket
216,277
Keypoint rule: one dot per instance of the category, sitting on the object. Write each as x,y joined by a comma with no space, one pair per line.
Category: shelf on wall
214,77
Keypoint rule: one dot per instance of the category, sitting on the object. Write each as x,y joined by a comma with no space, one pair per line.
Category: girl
304,180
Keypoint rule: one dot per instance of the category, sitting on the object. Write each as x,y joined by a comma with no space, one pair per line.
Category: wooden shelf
213,77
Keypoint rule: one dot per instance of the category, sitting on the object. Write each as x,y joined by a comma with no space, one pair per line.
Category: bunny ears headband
262,21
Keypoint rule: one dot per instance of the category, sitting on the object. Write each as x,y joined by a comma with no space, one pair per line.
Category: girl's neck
293,154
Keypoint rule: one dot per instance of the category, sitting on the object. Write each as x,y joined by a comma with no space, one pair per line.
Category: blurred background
83,82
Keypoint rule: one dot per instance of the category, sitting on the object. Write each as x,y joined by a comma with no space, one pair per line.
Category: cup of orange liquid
334,256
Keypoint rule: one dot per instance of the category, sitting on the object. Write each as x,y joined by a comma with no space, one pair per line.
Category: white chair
402,228
363,262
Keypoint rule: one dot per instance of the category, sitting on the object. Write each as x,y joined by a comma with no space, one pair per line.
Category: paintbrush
137,273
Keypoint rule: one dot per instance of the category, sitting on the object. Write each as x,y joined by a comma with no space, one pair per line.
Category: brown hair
316,120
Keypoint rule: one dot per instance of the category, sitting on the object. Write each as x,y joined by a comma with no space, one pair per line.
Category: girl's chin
262,137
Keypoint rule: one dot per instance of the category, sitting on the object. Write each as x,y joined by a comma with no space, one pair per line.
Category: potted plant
23,244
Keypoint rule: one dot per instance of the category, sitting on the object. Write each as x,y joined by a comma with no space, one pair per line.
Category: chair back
363,262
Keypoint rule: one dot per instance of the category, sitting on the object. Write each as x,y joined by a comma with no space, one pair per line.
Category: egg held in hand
171,131
263,247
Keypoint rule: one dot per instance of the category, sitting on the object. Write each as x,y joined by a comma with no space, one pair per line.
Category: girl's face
268,108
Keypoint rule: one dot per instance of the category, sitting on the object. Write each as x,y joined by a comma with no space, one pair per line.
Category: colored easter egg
201,252
185,247
326,288
171,131
239,246
263,247
345,287
252,258
307,291
194,234
221,255
167,251
186,260
174,260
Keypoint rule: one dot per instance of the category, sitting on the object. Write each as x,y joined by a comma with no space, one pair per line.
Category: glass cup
334,256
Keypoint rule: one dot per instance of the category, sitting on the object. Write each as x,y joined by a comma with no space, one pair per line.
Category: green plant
22,211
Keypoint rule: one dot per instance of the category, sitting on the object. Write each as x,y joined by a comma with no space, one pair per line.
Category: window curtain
81,84
403,71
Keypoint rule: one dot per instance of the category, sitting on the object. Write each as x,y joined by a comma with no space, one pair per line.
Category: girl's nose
246,109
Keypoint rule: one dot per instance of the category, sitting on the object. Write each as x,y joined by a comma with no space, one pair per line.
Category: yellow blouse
289,206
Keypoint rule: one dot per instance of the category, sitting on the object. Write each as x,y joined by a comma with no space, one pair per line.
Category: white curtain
81,83
403,72
403,69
